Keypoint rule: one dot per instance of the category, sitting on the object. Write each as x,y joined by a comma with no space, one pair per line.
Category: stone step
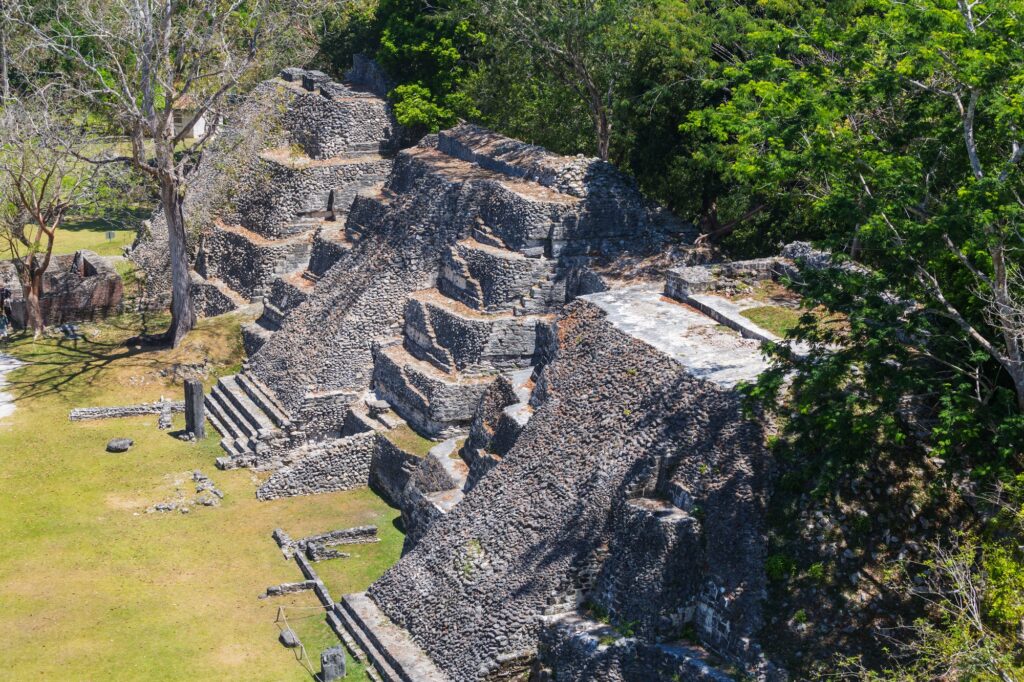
243,403
260,395
230,415
370,653
393,643
227,425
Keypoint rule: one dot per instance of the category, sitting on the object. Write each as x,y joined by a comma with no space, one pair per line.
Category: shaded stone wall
612,412
246,263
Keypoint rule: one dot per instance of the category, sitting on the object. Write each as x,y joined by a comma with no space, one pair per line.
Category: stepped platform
394,654
248,261
494,279
437,404
699,343
455,337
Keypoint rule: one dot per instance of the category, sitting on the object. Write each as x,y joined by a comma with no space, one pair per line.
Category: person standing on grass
4,326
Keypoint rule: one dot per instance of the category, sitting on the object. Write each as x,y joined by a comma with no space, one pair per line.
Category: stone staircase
392,652
247,416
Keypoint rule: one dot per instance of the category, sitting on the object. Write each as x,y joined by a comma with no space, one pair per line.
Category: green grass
776,319
406,439
91,233
92,587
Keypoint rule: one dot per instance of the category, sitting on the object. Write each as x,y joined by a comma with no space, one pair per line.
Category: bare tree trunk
5,81
603,130
33,289
183,316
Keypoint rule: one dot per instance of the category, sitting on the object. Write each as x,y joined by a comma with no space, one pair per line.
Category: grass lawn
776,319
410,441
94,588
91,233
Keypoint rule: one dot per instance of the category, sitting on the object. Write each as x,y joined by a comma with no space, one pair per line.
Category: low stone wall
119,412
332,466
390,470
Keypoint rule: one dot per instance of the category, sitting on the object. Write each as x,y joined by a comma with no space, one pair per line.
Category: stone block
332,664
195,410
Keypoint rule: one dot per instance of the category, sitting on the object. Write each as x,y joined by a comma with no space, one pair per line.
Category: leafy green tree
895,128
586,46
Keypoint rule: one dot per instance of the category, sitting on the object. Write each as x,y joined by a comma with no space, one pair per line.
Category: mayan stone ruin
593,508
77,287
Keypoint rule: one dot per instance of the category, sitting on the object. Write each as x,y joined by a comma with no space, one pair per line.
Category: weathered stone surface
332,664
120,444
615,417
195,411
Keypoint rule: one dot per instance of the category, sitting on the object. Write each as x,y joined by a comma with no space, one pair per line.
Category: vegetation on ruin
93,587
886,132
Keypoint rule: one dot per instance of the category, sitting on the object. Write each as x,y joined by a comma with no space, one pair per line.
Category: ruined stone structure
593,508
76,288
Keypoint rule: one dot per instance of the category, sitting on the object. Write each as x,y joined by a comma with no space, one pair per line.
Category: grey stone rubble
120,444
593,452
204,484
120,412
207,495
287,588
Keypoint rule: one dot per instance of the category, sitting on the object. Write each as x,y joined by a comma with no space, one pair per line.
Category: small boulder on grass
120,444
289,638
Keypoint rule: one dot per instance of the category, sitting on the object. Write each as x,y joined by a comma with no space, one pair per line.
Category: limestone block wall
76,288
284,187
249,263
489,278
459,338
367,73
208,300
610,411
390,470
337,119
432,403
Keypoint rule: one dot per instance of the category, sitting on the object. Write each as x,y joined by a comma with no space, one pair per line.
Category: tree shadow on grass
60,364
